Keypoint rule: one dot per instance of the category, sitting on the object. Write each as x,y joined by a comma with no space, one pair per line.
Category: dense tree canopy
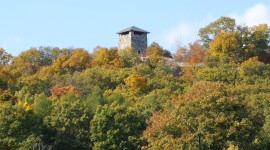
117,127
213,94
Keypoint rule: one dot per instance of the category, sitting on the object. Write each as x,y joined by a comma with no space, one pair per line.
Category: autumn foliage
59,90
214,94
136,83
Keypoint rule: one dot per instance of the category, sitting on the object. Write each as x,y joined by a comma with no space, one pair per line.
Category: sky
90,23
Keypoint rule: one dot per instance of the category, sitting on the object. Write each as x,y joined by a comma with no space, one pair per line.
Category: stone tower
133,37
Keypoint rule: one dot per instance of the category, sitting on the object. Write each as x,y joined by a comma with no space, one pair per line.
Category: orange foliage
79,60
195,53
59,90
188,74
158,121
180,54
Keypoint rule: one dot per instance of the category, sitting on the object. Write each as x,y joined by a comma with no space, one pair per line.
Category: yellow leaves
250,61
44,73
224,43
25,105
136,82
106,57
233,147
58,62
260,28
79,60
154,50
226,46
155,53
241,44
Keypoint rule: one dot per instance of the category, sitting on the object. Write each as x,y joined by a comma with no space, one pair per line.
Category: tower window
138,33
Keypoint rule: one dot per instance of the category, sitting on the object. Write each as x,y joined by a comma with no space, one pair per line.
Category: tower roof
133,28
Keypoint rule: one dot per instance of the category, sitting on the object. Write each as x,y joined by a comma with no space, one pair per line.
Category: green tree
42,106
253,67
28,62
94,99
254,41
255,89
156,53
101,77
69,124
226,73
117,127
129,57
229,42
208,116
49,54
223,24
266,127
16,124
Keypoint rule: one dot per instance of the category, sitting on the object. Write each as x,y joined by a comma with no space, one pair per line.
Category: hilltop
112,99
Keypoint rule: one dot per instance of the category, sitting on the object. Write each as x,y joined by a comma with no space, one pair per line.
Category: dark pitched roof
133,28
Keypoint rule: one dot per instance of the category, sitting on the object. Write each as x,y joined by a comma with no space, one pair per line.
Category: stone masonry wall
138,42
124,41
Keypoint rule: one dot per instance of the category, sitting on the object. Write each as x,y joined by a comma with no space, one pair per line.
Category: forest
67,98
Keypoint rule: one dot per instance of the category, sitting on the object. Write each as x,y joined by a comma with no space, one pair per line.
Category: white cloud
181,34
184,33
176,33
180,30
255,15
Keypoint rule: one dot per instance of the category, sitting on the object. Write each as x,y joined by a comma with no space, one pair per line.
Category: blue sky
89,23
